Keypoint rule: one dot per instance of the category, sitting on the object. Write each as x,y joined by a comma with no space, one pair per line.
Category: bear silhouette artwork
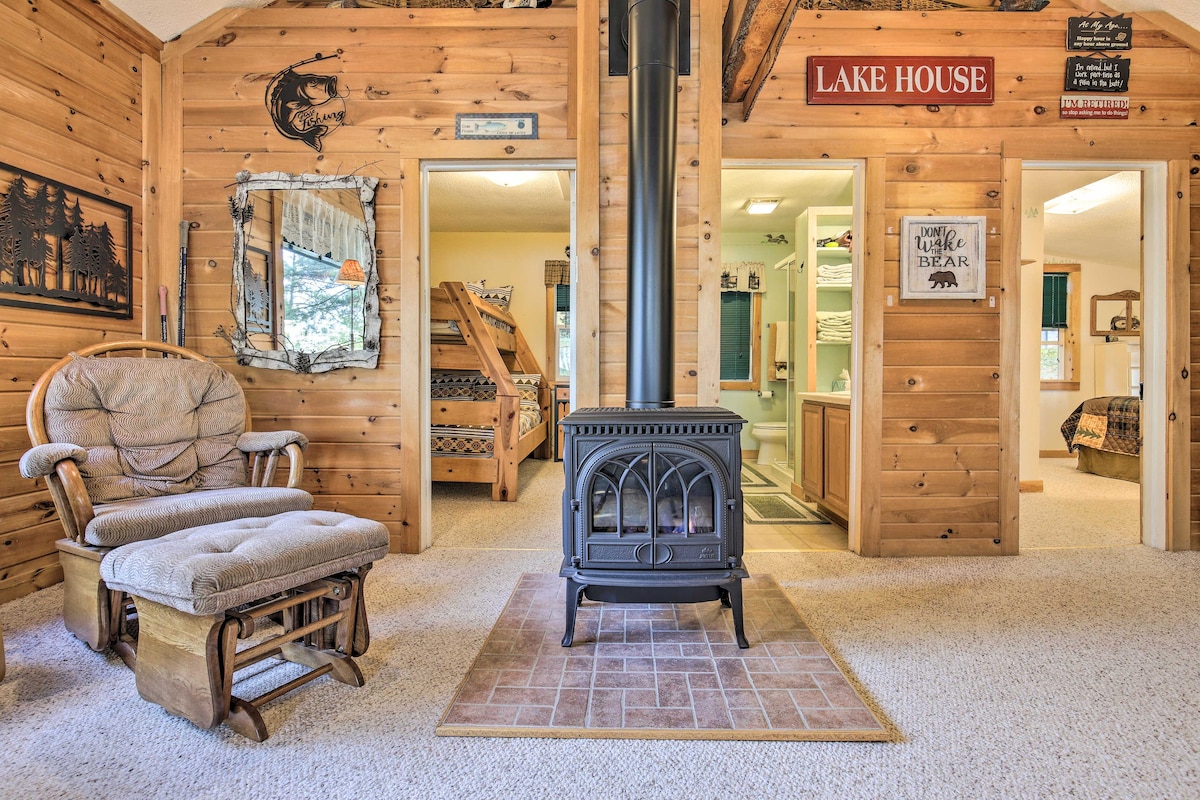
942,279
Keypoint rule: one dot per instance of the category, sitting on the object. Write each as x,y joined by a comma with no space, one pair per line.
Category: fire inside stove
669,495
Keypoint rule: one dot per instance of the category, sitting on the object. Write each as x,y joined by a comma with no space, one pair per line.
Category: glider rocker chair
178,543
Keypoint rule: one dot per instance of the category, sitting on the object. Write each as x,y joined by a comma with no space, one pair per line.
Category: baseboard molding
1055,454
749,455
1032,487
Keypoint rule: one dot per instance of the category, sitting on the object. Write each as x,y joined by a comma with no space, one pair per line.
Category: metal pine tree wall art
63,249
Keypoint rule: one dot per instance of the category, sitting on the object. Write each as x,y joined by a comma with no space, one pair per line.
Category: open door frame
1166,405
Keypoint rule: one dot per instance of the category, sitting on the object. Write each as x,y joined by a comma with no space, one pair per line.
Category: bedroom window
562,331
741,318
1060,327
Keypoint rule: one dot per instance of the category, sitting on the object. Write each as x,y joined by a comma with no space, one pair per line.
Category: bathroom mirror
305,278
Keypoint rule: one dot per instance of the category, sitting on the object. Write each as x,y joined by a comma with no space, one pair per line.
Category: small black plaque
1102,33
1097,74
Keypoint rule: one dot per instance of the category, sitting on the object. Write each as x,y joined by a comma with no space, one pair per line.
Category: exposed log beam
747,39
754,31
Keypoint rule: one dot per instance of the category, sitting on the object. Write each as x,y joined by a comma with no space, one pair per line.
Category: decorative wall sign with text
1100,33
901,80
942,258
303,105
1083,107
63,249
495,126
1096,73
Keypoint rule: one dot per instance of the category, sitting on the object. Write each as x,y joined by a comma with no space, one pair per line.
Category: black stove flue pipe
653,83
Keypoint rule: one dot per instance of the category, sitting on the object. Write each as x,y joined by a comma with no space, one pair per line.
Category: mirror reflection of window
307,288
318,312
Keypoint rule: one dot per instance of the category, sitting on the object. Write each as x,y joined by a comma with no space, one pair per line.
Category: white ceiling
468,201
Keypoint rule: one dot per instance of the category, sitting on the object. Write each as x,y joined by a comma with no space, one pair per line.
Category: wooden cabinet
823,346
825,457
812,449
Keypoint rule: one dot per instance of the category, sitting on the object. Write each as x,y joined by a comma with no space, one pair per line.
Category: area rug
778,508
754,478
658,671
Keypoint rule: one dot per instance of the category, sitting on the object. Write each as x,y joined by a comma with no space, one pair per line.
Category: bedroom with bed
1083,391
491,408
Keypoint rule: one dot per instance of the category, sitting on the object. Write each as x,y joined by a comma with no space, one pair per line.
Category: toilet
772,441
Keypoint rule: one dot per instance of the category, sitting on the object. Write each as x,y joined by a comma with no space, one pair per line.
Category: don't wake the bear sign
942,258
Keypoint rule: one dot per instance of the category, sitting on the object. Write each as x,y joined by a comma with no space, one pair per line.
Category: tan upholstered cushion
212,568
142,518
151,426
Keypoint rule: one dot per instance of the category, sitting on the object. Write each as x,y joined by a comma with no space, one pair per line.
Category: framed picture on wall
257,281
943,258
63,249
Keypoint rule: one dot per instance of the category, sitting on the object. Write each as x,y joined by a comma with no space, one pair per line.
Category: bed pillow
499,296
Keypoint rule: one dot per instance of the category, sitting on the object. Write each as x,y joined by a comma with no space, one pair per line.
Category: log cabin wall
79,84
939,394
407,74
697,246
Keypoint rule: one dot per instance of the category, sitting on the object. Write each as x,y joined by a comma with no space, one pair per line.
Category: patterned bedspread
468,386
1112,424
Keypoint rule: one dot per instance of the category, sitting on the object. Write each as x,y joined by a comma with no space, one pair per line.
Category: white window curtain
320,227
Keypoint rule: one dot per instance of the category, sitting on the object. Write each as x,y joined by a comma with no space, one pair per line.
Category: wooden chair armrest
71,499
263,471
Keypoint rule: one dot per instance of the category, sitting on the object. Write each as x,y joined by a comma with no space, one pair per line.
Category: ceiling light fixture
510,179
762,205
1087,197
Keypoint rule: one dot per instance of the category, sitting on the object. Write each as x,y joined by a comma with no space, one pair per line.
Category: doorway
500,233
789,301
1093,362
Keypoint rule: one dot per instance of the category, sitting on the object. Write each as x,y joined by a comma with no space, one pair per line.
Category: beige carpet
1059,673
657,671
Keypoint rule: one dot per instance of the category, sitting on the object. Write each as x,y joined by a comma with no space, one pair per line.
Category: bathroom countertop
830,398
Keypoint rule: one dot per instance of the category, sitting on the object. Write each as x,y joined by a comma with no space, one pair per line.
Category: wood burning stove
652,509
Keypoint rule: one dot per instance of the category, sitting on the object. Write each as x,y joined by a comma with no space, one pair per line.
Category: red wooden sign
901,80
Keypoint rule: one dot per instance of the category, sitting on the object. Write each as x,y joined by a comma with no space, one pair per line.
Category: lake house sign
901,80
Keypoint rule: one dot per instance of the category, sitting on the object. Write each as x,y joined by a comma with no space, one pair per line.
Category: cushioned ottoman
198,590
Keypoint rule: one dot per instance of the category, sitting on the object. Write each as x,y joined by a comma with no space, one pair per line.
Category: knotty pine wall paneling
941,377
406,73
74,76
691,170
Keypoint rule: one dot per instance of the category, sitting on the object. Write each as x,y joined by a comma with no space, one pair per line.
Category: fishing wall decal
306,106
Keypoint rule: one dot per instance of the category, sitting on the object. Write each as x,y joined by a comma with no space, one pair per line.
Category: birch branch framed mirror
305,279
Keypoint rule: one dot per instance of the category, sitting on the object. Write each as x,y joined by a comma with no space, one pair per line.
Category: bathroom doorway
787,325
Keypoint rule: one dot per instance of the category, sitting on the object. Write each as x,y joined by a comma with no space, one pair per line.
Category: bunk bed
489,401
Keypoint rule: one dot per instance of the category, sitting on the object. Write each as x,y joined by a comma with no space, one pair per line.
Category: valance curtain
318,226
558,272
743,276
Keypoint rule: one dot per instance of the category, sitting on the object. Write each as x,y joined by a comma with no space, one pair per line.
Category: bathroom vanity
825,451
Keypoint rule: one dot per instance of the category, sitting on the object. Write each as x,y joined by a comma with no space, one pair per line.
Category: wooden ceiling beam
750,27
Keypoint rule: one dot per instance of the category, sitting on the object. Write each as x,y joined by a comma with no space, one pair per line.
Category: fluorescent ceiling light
1087,197
761,205
509,179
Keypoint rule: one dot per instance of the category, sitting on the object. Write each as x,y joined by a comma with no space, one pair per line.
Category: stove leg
733,593
574,595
